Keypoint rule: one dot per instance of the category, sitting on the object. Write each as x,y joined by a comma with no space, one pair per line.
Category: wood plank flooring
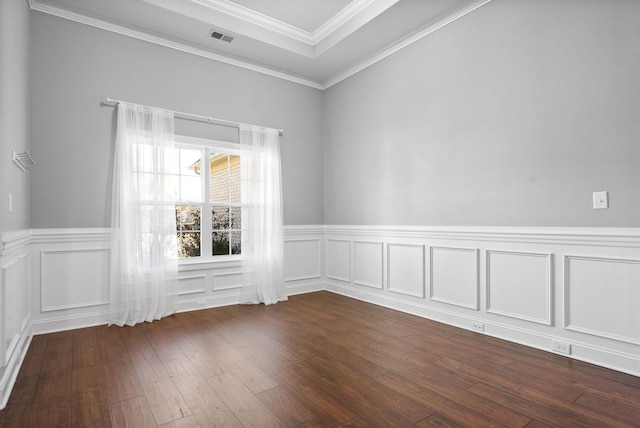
317,360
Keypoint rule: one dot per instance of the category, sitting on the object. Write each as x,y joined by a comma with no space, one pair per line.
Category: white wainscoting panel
454,276
405,267
74,278
339,259
9,314
602,297
519,285
302,259
227,280
193,284
24,272
384,265
368,264
15,308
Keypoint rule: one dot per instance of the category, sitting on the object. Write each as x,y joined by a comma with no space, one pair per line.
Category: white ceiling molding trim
341,18
258,18
261,27
237,23
162,41
354,9
403,44
348,23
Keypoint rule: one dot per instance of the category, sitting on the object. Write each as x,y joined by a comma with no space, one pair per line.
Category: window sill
209,263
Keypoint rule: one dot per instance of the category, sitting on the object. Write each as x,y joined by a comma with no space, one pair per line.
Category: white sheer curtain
144,267
262,229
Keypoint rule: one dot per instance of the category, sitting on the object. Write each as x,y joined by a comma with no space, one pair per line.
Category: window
209,202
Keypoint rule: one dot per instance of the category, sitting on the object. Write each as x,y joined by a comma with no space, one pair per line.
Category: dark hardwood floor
317,360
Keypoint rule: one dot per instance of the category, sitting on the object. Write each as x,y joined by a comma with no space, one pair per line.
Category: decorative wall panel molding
15,304
405,267
602,297
74,278
303,259
339,259
368,264
9,311
227,280
454,276
194,284
519,285
15,307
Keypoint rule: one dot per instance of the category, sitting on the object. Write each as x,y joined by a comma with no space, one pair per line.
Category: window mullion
206,246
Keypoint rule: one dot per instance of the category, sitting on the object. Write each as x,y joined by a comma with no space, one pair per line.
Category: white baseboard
623,362
12,368
70,322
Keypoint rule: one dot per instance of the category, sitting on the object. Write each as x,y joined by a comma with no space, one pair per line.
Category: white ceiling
314,42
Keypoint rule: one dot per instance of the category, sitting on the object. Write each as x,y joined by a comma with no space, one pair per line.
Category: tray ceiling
313,42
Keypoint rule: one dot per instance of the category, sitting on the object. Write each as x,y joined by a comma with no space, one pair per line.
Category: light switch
10,202
600,200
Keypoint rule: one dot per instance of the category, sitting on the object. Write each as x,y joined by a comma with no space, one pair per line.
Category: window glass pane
190,162
234,179
234,167
219,177
190,189
220,243
234,191
219,190
236,242
188,217
169,160
188,244
235,220
219,163
220,218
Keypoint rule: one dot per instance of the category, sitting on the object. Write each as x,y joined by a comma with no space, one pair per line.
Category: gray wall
75,67
510,116
14,112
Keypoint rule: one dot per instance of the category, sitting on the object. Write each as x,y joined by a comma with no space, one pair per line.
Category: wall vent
220,36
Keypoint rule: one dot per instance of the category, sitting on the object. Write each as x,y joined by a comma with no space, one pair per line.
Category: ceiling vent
220,36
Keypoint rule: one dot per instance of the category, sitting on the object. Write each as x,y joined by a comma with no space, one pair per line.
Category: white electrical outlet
477,326
561,347
201,304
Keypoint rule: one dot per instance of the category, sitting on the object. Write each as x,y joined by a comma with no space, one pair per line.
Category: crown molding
336,22
257,18
242,20
403,44
163,41
341,18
